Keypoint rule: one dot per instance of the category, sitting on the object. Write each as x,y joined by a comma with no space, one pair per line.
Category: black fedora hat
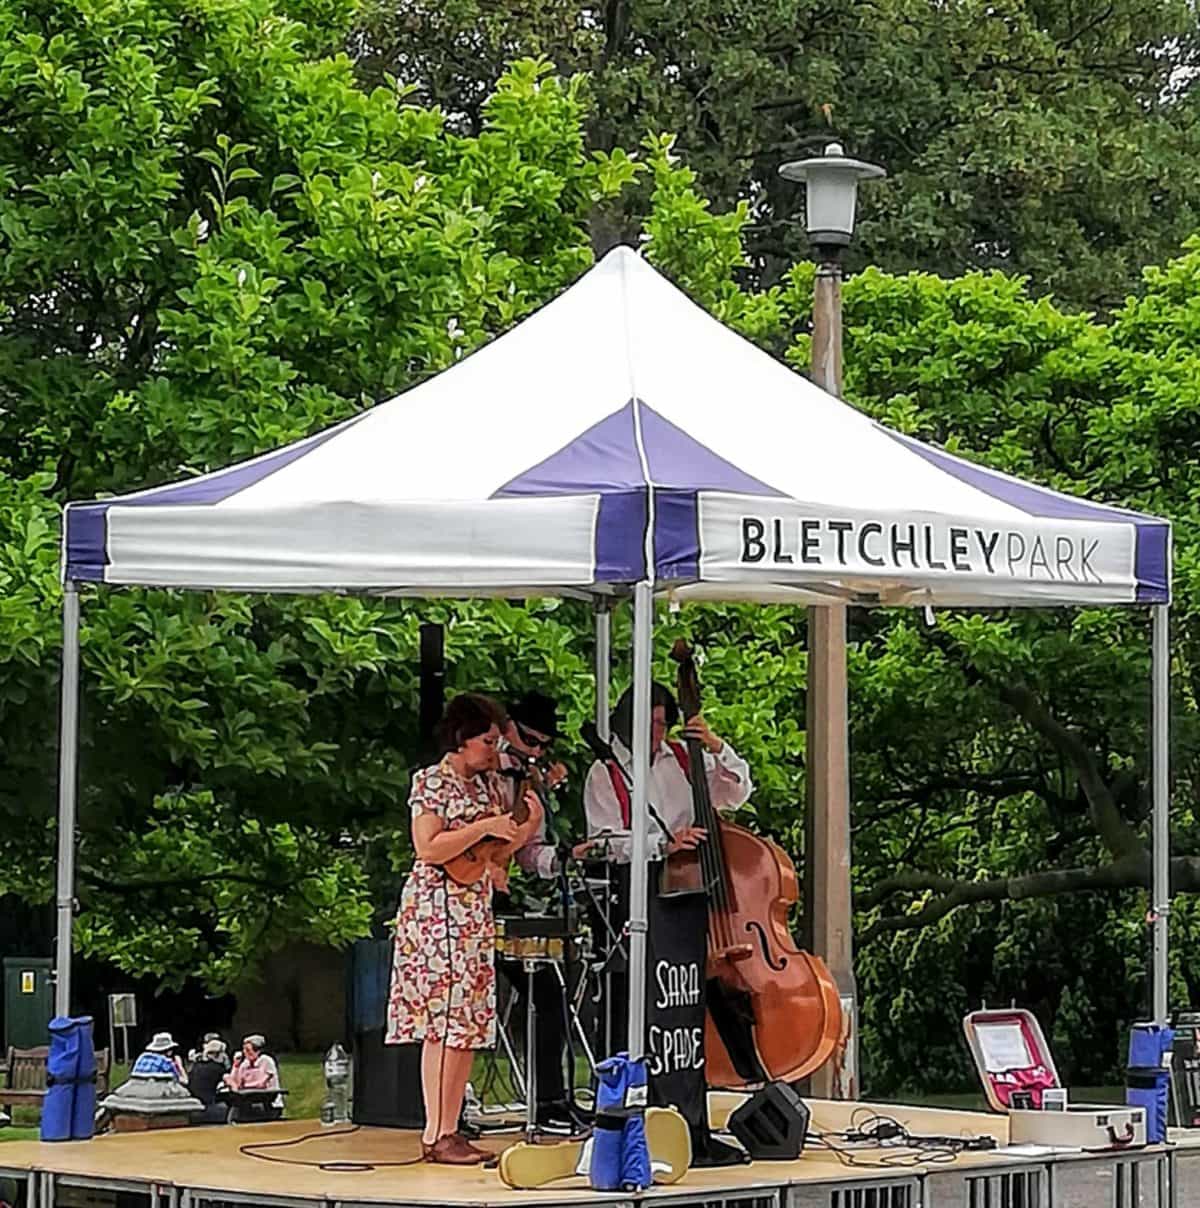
536,711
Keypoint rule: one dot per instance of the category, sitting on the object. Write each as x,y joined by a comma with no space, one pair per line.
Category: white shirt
670,793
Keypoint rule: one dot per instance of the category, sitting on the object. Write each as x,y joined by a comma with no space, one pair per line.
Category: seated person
222,1052
160,1056
205,1078
254,1071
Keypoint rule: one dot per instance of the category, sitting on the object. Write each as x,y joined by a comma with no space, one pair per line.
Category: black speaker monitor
387,1077
772,1124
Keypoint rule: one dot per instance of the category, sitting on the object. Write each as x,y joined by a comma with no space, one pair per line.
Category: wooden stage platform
196,1167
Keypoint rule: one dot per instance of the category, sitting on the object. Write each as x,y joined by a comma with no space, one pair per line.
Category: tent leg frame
639,887
1160,894
603,667
68,784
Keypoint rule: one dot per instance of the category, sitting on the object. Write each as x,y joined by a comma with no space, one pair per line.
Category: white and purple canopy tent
621,442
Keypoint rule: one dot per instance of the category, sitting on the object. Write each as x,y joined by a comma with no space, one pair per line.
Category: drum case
1012,1057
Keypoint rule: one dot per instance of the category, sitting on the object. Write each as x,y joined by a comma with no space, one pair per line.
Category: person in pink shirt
253,1070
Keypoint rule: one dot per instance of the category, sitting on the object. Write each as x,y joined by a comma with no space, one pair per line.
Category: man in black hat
528,735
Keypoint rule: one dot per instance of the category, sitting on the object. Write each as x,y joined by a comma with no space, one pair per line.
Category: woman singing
443,991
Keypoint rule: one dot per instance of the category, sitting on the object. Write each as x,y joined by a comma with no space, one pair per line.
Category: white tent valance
622,424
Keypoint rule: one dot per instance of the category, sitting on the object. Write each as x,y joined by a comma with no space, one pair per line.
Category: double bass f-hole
755,928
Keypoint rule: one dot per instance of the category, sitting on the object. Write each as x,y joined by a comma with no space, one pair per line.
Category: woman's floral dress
443,980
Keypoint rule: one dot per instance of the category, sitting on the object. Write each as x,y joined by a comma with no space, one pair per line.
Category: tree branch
1119,838
1117,835
953,893
1131,872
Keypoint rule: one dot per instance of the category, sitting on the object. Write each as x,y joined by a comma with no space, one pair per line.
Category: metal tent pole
68,764
639,889
603,667
1160,764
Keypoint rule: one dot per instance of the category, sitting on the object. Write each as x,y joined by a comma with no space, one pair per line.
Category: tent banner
781,539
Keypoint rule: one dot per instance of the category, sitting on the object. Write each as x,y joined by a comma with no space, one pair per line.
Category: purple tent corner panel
86,542
677,460
87,523
600,459
676,536
681,467
221,484
1151,563
1152,535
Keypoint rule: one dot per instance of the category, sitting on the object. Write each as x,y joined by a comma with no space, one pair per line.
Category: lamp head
831,188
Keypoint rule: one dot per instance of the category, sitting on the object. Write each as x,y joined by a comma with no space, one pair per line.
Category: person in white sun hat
160,1056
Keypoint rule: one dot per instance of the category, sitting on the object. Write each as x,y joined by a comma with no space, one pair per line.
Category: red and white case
1011,1054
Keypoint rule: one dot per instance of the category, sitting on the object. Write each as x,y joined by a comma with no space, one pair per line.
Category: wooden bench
25,1076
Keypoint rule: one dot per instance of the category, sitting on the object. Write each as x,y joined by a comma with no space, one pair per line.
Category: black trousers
550,1041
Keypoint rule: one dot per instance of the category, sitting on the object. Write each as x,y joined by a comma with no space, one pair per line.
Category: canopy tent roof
619,425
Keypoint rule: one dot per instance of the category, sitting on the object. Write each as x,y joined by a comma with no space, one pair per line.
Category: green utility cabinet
28,1001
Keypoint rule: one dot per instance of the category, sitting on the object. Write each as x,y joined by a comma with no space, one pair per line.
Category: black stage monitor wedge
772,1124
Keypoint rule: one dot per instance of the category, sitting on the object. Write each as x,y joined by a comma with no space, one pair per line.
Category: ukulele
469,866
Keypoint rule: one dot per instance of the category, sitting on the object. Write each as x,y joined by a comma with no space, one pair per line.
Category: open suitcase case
1017,1070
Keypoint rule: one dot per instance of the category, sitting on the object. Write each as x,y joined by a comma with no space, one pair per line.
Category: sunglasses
532,739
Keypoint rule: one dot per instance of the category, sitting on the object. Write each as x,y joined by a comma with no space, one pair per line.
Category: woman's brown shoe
484,1154
452,1150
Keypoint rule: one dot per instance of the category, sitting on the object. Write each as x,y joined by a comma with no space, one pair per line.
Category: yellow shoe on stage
667,1137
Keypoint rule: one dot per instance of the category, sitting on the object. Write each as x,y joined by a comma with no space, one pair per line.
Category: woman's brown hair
467,716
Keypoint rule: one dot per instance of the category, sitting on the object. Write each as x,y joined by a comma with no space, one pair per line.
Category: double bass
774,1012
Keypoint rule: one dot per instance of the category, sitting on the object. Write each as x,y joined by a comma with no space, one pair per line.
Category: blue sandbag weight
62,1064
635,1154
605,1170
69,1108
620,1156
1147,1087
636,1174
1150,1045
83,1113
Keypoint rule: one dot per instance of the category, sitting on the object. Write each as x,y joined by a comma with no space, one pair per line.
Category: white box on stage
1081,1126
1020,1079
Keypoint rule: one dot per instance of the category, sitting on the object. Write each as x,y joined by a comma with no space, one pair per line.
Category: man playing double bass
607,790
676,996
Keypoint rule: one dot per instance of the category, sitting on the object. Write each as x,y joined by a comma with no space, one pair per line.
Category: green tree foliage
1000,761
1041,137
213,240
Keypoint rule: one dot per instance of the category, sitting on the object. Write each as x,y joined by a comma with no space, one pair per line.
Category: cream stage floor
189,1167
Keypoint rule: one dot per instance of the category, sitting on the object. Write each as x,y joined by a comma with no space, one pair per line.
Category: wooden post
827,897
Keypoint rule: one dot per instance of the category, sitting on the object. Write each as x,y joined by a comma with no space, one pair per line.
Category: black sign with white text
675,1003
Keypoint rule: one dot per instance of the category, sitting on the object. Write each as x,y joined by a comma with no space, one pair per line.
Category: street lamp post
831,187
